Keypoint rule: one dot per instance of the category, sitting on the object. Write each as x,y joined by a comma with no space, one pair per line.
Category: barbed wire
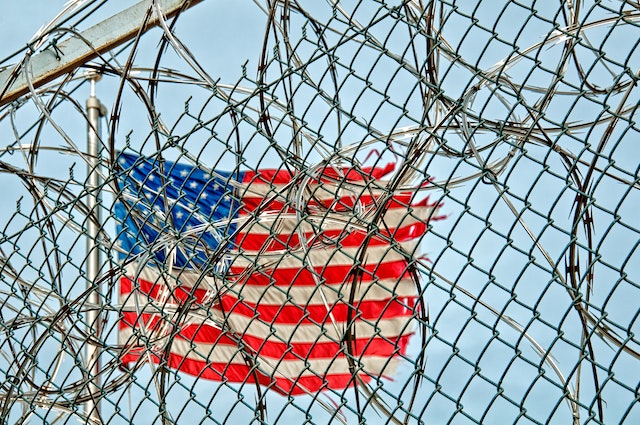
392,212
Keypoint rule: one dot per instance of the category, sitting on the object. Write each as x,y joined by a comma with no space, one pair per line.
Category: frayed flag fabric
296,281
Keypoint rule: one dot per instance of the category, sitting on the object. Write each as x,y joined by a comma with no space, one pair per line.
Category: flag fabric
299,282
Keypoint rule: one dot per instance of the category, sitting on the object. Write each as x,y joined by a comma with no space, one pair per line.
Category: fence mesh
326,212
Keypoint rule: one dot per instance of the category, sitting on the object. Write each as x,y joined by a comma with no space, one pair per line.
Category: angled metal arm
79,49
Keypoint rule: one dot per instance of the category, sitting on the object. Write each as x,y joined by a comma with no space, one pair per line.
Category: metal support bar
95,110
77,50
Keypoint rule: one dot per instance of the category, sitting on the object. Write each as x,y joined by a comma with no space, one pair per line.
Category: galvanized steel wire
518,118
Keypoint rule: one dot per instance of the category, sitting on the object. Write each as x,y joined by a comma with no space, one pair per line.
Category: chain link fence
325,212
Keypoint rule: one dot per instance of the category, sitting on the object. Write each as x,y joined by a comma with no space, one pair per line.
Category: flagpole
95,110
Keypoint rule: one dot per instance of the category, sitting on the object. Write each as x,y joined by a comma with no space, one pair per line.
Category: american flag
298,281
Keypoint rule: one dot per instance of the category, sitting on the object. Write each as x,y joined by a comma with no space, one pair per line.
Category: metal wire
516,120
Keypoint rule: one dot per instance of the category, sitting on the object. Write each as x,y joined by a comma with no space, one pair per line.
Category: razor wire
514,120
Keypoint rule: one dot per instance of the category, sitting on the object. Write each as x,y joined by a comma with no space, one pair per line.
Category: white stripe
288,223
271,366
324,191
281,259
320,256
184,278
330,331
289,368
301,295
390,328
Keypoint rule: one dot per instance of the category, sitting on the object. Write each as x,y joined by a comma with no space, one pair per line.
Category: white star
184,173
216,186
204,195
193,185
207,175
179,214
122,161
151,177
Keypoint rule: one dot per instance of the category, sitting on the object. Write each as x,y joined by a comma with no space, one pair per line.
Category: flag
297,281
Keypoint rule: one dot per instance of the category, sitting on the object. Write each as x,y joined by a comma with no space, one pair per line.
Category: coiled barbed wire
517,119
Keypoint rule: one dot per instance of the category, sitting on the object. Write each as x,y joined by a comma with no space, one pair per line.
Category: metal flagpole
95,110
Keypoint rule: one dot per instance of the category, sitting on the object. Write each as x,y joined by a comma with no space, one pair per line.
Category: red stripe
326,349
283,277
297,311
315,384
329,274
269,346
324,201
276,349
273,176
296,351
154,290
134,320
209,334
309,314
219,371
256,241
237,373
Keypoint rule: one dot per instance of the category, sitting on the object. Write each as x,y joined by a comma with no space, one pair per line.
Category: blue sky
20,20
513,277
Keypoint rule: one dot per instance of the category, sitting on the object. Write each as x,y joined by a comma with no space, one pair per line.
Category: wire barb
356,212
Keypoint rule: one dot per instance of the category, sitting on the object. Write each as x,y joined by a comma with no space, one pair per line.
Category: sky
19,21
513,276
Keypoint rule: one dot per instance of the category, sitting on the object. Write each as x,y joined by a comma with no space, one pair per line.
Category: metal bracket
77,50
